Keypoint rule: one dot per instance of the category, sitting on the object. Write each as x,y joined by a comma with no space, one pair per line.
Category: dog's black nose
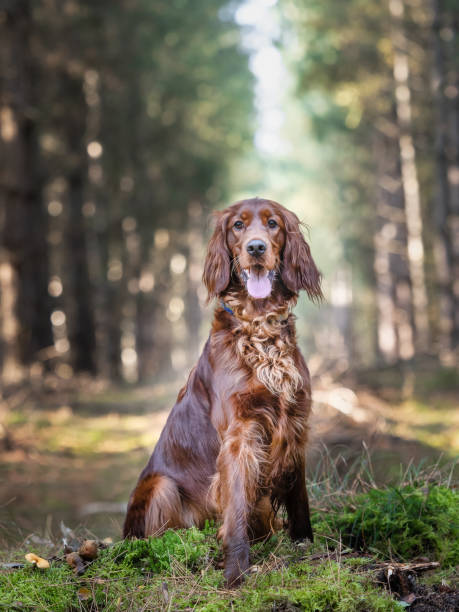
256,247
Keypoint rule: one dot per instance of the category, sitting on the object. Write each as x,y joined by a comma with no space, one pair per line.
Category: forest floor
72,457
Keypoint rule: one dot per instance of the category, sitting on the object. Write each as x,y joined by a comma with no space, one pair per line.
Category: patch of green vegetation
190,548
34,589
178,571
16,417
403,522
445,379
123,398
327,586
448,576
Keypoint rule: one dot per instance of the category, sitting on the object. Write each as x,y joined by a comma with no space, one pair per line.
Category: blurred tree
24,218
409,172
368,64
445,85
138,108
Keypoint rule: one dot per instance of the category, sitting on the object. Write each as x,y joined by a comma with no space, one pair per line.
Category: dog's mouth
258,281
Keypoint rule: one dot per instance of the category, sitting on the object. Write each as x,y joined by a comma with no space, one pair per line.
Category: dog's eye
272,223
238,225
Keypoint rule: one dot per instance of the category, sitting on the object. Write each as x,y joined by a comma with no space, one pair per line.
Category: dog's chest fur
266,346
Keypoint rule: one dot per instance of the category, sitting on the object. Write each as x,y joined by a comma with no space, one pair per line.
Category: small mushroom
88,550
36,560
76,562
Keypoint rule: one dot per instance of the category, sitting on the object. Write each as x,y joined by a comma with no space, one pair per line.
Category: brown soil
403,585
438,598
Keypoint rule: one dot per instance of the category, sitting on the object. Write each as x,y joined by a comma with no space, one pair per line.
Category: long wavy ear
298,268
217,266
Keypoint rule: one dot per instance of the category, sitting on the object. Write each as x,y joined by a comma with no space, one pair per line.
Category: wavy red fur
233,448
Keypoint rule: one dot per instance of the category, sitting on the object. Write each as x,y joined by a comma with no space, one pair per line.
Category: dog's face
260,243
255,236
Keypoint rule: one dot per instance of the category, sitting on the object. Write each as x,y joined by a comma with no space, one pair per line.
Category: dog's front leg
239,466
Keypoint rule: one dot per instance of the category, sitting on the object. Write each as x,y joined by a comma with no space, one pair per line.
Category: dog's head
258,244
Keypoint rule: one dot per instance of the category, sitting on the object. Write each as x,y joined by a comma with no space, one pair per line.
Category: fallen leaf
36,560
84,594
165,591
408,599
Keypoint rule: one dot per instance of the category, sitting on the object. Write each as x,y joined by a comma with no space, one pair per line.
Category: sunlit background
122,126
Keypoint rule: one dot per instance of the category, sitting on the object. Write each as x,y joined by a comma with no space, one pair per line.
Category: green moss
326,586
36,589
178,571
405,522
190,548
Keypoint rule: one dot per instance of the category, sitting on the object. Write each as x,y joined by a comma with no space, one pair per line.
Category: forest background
122,125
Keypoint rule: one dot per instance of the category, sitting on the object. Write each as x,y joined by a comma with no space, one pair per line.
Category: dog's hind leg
156,505
263,521
297,506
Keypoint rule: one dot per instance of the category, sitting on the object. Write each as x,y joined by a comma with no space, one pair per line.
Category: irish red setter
233,447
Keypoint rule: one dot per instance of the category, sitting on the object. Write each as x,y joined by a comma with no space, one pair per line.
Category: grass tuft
402,522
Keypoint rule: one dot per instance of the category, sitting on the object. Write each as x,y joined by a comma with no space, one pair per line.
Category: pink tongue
259,286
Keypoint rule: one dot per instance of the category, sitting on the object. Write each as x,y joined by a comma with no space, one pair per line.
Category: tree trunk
193,311
443,209
81,319
452,97
395,314
153,329
115,300
410,183
10,370
25,218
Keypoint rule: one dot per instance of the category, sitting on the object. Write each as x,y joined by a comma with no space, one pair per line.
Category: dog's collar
225,307
280,317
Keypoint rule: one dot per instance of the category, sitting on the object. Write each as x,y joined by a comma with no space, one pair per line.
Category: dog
233,447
